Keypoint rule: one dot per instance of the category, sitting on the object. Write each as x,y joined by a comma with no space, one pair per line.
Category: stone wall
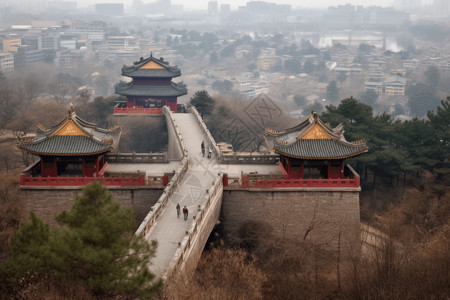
188,254
47,203
320,215
175,148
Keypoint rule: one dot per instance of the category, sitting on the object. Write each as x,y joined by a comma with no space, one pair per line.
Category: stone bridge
255,190
198,185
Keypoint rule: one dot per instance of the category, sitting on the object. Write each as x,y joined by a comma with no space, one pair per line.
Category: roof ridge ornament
71,109
359,142
41,127
315,116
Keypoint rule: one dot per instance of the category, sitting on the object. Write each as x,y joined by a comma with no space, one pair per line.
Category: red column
289,167
302,170
42,167
341,175
97,165
329,169
84,168
225,179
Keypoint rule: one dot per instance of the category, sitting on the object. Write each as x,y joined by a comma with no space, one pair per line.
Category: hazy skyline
200,4
203,4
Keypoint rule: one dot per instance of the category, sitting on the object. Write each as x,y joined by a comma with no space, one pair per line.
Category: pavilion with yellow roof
73,147
313,149
150,89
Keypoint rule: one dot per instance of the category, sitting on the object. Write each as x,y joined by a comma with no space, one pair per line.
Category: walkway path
170,230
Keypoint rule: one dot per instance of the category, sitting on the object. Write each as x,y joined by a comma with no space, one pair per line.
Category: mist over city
176,149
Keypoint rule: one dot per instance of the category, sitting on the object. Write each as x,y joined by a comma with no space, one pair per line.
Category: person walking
185,212
178,210
203,148
209,152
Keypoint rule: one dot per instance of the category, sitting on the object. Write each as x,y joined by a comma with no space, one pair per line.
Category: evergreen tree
422,98
332,92
29,249
369,97
95,246
432,76
309,67
213,58
300,100
203,102
293,66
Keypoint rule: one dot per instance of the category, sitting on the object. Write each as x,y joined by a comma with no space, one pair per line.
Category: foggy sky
203,4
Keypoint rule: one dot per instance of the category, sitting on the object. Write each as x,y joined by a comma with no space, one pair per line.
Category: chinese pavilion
312,149
151,87
73,147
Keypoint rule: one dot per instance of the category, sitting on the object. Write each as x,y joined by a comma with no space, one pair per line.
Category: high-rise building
407,4
213,8
109,9
442,7
225,11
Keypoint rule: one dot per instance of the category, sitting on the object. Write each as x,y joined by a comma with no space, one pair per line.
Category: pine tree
203,102
95,246
29,248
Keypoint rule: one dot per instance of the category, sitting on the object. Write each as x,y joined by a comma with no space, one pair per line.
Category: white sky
203,4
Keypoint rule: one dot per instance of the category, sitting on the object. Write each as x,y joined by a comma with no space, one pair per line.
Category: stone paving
170,230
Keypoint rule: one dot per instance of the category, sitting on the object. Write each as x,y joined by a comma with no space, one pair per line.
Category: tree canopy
422,98
432,76
203,102
394,147
332,92
94,245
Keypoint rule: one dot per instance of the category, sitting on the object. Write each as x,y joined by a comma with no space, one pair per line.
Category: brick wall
292,213
47,203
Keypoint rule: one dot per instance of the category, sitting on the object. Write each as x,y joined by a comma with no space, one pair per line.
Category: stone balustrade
210,140
206,215
178,151
151,157
146,225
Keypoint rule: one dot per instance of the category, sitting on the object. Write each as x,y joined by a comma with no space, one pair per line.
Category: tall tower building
213,12
407,4
213,8
441,7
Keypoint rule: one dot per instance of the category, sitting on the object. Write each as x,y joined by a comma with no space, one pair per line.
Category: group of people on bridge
185,211
203,150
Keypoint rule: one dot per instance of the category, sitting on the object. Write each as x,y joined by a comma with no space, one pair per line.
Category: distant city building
349,70
160,7
64,59
377,87
442,7
122,41
109,9
213,8
395,86
225,12
375,73
6,62
62,5
392,17
263,12
27,56
11,44
90,30
268,60
407,4
344,15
